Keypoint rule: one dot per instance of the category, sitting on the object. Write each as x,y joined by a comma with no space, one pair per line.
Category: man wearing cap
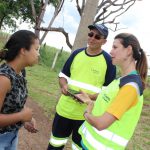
87,69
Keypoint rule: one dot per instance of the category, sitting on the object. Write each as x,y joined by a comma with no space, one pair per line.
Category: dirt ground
36,141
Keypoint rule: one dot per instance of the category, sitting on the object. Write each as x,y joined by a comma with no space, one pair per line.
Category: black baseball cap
101,28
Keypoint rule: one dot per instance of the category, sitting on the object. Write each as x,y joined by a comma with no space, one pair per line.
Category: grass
43,87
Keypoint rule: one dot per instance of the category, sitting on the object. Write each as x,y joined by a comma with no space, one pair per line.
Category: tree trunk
87,18
40,19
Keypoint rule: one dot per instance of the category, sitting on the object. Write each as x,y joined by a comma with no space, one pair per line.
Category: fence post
55,58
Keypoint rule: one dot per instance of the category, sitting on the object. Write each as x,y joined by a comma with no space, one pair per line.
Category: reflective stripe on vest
57,141
106,134
92,141
112,137
80,84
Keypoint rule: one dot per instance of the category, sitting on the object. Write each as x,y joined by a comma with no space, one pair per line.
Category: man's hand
63,85
64,89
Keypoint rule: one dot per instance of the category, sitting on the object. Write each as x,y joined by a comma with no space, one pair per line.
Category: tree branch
58,30
33,9
105,7
57,10
80,9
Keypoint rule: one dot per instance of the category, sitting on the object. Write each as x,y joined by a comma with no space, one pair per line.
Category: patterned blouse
16,98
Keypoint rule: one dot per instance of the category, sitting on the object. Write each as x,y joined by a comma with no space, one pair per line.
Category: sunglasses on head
96,36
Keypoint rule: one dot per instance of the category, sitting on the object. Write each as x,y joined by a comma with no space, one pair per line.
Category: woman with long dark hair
20,51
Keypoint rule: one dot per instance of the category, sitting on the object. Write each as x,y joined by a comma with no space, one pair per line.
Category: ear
129,50
22,51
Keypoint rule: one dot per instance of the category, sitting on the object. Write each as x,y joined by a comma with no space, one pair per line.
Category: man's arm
63,85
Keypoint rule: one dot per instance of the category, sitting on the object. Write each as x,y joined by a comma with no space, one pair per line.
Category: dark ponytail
142,67
3,54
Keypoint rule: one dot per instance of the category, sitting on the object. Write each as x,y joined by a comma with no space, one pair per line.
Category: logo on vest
95,71
106,98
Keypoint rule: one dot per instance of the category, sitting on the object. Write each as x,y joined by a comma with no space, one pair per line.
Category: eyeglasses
96,36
